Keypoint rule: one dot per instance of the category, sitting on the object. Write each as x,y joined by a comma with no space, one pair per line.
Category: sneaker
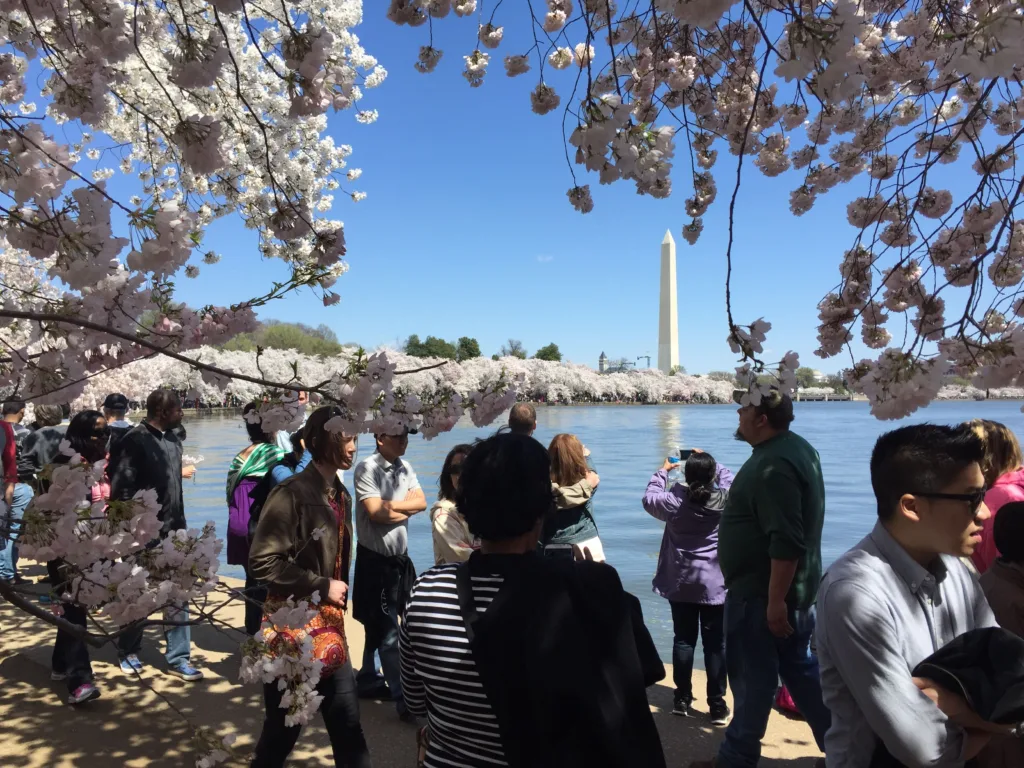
681,707
186,672
58,677
131,664
720,714
83,693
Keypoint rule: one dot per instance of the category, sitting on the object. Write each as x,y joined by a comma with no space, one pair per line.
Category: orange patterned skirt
326,629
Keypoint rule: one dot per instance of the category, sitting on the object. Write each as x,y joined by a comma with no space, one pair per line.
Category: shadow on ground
131,726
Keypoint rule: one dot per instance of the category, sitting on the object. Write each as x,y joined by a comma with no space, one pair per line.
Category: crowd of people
137,457
521,647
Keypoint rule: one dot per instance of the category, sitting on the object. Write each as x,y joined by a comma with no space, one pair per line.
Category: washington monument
668,318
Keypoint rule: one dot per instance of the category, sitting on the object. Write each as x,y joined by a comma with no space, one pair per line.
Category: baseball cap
777,406
116,402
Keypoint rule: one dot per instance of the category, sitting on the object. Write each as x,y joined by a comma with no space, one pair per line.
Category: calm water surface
628,443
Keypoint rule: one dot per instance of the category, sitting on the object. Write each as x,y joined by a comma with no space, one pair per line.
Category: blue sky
467,230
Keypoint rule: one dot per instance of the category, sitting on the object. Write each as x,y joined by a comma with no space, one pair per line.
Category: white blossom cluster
432,400
209,110
106,546
821,94
286,658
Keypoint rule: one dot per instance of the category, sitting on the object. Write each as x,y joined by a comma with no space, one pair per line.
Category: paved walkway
130,726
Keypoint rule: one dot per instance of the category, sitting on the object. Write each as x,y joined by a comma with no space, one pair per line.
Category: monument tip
668,237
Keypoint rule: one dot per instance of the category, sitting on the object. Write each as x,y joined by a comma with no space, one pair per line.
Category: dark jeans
756,659
340,711
686,619
70,654
382,636
256,595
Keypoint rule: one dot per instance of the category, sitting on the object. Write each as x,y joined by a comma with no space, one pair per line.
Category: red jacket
9,453
1007,488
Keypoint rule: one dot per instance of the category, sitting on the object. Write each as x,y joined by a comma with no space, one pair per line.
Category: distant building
819,377
602,363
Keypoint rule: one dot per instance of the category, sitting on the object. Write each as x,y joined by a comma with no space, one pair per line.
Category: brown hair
322,444
1002,451
568,462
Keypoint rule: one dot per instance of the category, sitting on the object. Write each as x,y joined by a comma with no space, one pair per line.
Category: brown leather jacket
284,555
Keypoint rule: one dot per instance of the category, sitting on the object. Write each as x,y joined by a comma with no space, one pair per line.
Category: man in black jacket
149,456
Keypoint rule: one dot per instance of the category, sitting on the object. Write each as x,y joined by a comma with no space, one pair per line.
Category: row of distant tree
467,348
274,334
321,340
805,378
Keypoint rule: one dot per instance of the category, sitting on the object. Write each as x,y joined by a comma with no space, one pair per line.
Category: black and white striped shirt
439,677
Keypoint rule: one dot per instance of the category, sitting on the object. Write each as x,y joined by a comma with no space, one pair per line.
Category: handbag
326,629
784,703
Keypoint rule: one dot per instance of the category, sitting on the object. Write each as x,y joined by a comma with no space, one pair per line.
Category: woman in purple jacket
245,471
688,574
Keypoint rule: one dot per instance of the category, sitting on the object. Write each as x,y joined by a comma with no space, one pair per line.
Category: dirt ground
131,726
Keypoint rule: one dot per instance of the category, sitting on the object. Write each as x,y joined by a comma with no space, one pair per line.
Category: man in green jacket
769,548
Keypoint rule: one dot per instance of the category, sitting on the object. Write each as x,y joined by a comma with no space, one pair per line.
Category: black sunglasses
455,469
101,434
974,499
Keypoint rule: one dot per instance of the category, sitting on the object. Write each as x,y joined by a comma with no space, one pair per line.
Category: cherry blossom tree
433,379
205,110
916,102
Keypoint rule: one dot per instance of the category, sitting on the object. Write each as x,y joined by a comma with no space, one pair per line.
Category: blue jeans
382,636
178,639
756,659
8,536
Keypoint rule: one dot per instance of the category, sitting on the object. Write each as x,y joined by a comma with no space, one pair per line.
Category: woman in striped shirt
519,660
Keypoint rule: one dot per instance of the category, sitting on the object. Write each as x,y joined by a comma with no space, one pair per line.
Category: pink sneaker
83,693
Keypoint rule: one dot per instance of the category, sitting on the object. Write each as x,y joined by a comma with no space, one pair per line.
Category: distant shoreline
236,411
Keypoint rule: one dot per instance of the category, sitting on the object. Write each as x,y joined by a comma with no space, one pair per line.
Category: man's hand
955,707
414,495
9,493
952,705
188,472
337,593
778,619
582,554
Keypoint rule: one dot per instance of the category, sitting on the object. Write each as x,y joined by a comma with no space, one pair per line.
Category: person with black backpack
521,660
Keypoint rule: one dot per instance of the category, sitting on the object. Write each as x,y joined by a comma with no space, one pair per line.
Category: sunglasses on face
100,434
455,469
974,500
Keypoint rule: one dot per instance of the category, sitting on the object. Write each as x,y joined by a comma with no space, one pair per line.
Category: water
628,443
